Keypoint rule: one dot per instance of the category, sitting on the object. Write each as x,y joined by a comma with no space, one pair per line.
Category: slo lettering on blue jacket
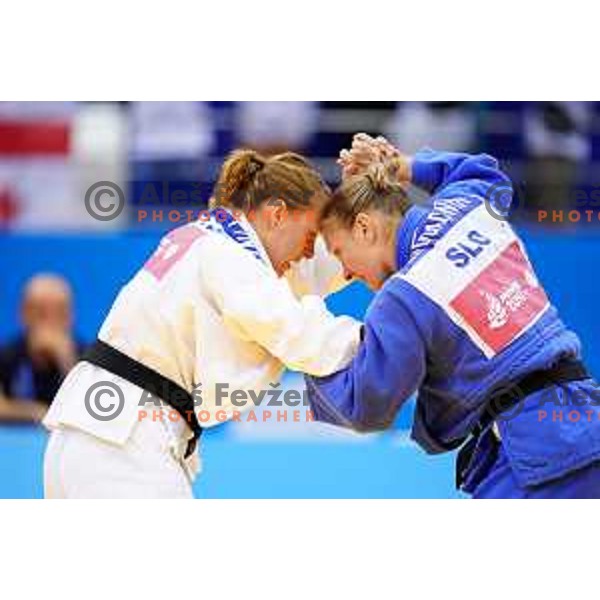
464,316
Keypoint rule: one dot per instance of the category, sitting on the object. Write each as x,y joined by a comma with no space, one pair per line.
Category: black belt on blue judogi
105,356
566,370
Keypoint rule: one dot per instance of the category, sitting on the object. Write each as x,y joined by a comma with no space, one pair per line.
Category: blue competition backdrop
239,465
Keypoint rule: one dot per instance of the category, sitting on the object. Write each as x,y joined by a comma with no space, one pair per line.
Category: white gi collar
238,229
247,226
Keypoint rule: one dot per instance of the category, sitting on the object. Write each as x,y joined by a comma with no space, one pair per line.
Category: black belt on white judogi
105,356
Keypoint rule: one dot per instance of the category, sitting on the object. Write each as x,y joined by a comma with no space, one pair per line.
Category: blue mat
386,467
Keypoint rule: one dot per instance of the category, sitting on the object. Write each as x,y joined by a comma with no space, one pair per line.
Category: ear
364,228
278,213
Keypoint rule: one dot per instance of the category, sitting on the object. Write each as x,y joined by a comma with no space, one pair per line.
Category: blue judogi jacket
463,317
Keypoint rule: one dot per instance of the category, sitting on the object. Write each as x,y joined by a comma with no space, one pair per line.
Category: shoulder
443,215
228,268
453,237
395,296
13,350
12,353
400,312
226,253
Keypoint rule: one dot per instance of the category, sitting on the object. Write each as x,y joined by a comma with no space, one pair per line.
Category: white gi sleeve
321,275
257,306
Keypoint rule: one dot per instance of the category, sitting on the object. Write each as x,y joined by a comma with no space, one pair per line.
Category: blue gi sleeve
389,367
448,174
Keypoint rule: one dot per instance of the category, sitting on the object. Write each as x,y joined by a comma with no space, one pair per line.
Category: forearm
302,334
390,365
456,173
21,411
337,402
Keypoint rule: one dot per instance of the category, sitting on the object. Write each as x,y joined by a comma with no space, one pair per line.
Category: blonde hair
361,193
248,179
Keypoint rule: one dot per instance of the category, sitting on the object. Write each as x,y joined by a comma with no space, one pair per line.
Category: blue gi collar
410,225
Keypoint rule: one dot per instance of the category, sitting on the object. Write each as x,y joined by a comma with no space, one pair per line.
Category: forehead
334,235
46,293
48,304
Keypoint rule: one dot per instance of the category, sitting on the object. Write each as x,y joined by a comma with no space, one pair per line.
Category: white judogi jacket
208,308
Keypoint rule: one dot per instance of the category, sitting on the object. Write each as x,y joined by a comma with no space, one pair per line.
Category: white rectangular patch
479,274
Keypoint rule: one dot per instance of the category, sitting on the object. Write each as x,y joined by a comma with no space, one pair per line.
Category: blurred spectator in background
558,141
99,152
52,152
170,140
449,126
170,143
33,366
274,127
36,176
9,203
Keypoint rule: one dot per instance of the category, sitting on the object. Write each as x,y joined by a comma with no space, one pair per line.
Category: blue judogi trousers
500,483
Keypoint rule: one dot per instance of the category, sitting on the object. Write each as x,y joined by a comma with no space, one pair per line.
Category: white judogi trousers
78,465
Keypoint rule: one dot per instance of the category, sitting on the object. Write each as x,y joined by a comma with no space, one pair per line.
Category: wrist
423,173
402,170
408,169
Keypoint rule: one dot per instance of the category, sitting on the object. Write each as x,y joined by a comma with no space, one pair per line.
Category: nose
348,275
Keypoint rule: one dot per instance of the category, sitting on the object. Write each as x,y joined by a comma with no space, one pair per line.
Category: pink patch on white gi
171,249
